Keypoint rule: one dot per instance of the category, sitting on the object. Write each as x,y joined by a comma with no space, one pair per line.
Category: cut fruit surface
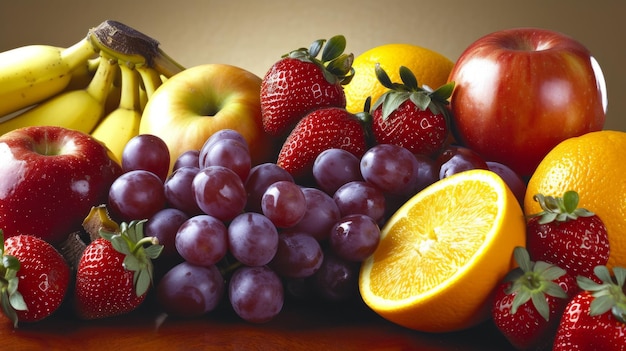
443,252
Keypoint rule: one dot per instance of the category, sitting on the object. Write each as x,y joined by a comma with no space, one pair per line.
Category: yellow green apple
201,100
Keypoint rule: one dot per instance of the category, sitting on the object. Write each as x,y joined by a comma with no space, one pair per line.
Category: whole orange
430,68
592,165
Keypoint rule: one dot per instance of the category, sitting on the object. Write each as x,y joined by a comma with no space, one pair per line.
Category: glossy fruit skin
521,91
320,130
44,276
526,329
49,195
575,245
203,100
421,132
104,288
579,331
292,88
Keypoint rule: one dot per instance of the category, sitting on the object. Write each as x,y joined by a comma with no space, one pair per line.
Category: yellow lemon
592,165
430,68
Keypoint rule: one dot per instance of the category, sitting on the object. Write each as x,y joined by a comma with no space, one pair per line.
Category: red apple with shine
50,177
519,92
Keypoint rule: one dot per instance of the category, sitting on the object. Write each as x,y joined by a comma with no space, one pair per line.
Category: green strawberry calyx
608,294
423,97
334,63
532,281
10,298
560,209
139,251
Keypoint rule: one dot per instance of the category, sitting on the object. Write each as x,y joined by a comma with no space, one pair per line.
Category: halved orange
443,252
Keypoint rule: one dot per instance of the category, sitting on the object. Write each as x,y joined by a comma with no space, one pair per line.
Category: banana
77,109
33,73
122,124
83,74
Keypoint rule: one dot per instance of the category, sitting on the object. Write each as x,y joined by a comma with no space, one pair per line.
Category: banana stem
130,88
129,45
78,53
151,79
100,85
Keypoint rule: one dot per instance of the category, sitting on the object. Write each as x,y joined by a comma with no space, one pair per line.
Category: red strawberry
320,130
410,116
528,305
115,272
572,238
595,319
300,83
34,278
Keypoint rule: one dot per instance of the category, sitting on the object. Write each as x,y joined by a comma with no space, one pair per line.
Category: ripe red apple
199,101
50,177
519,92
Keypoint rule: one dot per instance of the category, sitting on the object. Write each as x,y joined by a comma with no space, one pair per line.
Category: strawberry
300,83
572,238
115,272
320,130
528,304
34,278
410,116
595,319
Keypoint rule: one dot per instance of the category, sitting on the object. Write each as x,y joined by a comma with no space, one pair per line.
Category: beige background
253,34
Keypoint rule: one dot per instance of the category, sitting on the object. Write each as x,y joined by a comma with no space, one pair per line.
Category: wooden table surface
300,326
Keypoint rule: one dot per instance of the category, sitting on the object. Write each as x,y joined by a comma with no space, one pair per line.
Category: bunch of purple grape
253,235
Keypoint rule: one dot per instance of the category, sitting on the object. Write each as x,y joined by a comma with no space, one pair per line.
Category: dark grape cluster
251,234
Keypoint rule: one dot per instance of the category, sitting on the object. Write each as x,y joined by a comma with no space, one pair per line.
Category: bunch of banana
98,85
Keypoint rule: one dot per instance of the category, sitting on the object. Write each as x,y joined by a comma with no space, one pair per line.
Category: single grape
221,135
427,173
456,159
202,240
259,179
512,179
187,290
229,153
179,191
299,255
189,158
252,239
359,197
337,279
219,192
164,225
256,294
321,214
136,195
284,204
354,237
335,167
390,168
147,152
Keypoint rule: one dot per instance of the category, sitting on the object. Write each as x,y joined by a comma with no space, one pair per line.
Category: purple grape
259,179
136,195
252,239
337,279
335,167
187,290
321,214
179,190
202,240
164,226
284,204
391,168
189,158
219,192
229,153
456,159
147,152
299,255
354,237
256,294
360,197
